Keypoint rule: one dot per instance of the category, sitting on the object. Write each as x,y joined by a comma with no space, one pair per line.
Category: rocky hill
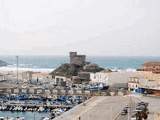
69,70
77,65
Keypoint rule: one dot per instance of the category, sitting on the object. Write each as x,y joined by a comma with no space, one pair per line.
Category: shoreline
14,69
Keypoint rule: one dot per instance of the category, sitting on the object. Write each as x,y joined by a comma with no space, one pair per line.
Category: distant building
83,77
151,66
27,76
2,77
76,80
133,83
60,80
101,77
75,59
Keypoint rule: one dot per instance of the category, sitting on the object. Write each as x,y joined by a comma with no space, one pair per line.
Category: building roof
106,70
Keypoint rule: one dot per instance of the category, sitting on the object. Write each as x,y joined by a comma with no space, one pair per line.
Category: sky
92,27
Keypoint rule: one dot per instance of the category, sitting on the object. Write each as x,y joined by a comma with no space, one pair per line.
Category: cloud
89,26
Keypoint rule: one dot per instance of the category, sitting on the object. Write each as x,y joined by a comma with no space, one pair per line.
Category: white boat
40,109
20,118
45,118
9,118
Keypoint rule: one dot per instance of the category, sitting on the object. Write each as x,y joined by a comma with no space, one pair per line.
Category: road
154,106
132,106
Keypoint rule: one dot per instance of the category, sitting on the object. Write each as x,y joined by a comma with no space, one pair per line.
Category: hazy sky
92,27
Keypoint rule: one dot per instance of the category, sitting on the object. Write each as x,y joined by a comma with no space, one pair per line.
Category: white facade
133,83
26,76
100,77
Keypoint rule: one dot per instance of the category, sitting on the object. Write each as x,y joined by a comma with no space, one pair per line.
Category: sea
49,63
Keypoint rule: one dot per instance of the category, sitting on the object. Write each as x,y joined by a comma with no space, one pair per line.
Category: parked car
124,112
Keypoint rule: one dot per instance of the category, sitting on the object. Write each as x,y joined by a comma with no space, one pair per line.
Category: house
133,83
140,85
100,77
60,80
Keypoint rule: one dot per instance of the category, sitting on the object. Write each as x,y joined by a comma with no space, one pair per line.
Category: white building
26,76
133,83
136,82
100,77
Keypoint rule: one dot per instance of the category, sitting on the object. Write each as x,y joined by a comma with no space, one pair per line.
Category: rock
67,70
92,68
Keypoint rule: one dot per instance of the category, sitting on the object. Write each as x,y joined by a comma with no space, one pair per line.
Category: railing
59,92
39,91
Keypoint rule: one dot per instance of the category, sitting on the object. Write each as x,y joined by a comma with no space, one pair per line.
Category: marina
18,105
24,115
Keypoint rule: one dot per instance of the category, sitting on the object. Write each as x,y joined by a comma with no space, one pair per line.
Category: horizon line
84,54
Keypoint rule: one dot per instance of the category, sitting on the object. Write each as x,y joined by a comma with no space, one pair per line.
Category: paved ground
154,105
109,108
97,108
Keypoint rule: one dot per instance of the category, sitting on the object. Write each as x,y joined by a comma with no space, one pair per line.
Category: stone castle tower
75,59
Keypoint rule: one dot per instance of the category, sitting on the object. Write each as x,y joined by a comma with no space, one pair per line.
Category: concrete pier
97,108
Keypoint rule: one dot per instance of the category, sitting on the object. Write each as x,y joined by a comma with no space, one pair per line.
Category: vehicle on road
133,117
124,111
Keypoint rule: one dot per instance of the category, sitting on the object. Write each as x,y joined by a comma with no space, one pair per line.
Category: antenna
17,58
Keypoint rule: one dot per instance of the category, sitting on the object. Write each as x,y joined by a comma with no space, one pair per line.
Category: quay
34,108
97,108
39,105
110,108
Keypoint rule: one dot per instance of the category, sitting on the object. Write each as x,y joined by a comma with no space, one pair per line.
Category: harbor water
26,115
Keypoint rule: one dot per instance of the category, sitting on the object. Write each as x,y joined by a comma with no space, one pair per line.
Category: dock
97,108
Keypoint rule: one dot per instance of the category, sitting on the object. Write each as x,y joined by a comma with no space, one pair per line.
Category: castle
78,70
78,60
